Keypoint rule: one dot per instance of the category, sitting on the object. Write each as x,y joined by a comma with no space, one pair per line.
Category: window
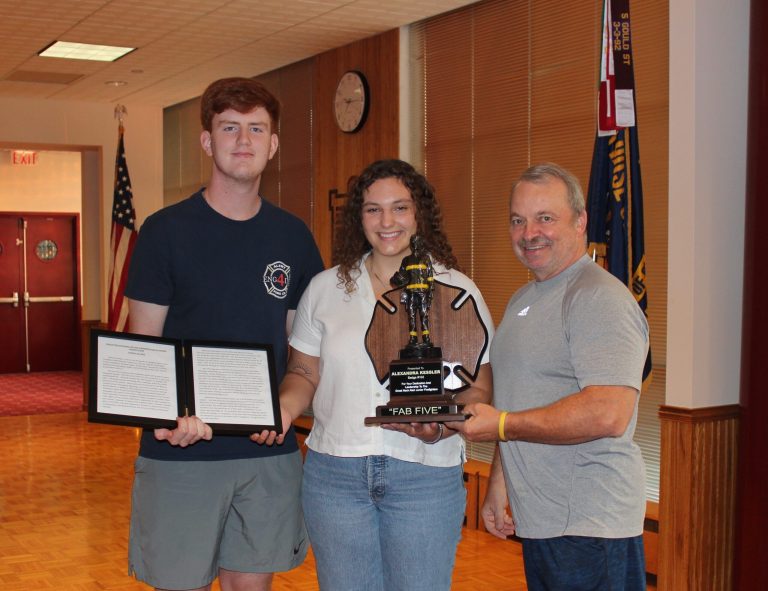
500,85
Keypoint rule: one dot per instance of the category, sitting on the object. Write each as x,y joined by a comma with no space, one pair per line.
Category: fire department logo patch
277,276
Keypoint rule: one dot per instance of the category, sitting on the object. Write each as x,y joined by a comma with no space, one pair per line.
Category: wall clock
351,102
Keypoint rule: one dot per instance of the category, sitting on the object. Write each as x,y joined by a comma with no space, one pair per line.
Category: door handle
44,299
12,300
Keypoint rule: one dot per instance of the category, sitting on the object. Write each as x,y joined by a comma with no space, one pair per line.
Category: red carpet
40,393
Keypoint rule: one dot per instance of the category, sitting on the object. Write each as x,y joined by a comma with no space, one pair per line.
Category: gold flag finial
120,112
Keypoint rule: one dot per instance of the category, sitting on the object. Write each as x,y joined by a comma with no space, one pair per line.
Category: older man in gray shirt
567,365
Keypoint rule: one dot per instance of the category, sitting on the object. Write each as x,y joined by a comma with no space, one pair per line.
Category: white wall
53,183
707,149
50,123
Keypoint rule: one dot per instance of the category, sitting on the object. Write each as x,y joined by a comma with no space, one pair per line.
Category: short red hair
241,94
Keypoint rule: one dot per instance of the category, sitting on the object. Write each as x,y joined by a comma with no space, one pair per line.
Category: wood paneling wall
697,498
287,180
335,155
339,155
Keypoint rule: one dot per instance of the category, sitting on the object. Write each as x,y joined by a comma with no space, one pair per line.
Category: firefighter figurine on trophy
416,378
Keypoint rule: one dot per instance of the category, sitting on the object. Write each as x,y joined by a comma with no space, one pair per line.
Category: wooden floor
64,505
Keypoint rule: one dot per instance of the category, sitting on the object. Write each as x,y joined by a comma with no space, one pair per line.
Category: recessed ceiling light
115,83
84,51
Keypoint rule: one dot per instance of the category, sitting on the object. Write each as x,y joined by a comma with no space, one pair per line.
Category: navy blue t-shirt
224,280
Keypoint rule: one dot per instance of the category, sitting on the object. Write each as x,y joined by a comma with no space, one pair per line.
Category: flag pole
120,113
123,233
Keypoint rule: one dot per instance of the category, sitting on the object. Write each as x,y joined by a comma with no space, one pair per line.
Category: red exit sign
24,157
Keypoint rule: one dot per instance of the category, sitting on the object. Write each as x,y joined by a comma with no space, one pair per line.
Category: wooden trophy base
416,379
420,409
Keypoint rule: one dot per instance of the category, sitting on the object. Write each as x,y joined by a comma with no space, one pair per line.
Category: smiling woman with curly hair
353,243
383,505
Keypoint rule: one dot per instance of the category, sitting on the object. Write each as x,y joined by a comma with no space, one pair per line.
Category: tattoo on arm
302,370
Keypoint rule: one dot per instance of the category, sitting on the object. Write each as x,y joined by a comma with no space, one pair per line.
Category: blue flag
615,196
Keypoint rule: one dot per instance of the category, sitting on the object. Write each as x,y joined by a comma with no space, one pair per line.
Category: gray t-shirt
579,328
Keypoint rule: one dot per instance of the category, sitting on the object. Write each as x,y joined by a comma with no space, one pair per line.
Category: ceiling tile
183,44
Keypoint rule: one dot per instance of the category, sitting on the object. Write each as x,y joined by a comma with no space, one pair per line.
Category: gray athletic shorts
188,519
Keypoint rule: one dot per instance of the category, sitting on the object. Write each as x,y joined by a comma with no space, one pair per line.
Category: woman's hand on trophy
426,432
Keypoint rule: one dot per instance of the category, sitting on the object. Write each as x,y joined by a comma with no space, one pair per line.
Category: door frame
92,232
78,279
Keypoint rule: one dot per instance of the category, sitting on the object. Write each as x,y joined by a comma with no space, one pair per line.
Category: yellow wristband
502,419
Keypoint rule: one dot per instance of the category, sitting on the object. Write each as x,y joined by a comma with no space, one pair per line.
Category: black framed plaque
146,381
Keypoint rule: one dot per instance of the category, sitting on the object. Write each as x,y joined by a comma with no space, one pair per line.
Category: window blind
506,84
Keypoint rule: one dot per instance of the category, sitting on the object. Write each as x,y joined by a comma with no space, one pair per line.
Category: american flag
122,240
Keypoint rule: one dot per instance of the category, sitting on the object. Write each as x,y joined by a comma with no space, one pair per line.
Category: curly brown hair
353,244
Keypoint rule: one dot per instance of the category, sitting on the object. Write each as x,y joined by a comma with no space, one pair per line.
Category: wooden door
12,338
43,324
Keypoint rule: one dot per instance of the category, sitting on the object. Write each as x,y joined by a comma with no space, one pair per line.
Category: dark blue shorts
577,563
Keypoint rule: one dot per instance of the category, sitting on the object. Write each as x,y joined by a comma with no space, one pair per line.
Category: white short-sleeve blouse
331,324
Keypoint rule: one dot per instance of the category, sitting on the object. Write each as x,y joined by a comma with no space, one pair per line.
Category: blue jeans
576,563
380,524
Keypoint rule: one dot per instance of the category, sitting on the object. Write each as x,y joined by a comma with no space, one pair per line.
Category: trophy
425,377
